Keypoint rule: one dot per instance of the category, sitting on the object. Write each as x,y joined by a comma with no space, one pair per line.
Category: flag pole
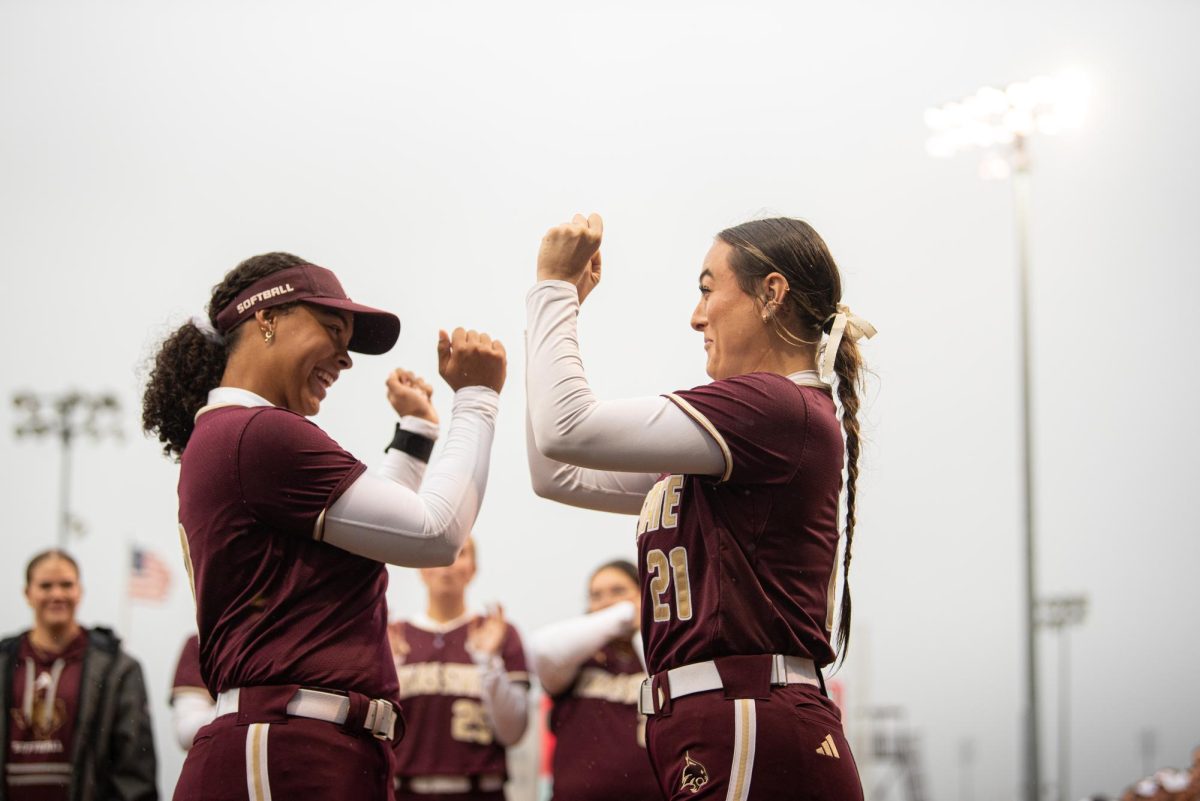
126,610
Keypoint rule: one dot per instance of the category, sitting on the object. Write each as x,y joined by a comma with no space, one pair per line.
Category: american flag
149,576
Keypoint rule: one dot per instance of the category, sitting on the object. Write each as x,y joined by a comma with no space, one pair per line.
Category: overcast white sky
420,150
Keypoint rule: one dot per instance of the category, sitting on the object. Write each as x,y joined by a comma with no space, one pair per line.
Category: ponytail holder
845,323
205,327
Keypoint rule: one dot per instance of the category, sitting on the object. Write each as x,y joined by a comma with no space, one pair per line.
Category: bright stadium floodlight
996,120
1000,123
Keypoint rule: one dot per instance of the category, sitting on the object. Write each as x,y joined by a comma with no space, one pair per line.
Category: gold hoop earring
267,335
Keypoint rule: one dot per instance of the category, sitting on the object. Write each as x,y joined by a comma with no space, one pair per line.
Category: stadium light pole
66,416
1000,121
1059,614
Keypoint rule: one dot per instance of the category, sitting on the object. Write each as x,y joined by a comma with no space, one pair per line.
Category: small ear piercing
267,334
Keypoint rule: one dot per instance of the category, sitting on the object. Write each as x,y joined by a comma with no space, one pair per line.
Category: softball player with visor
736,485
285,534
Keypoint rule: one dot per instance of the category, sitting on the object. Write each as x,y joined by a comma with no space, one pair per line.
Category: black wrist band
415,445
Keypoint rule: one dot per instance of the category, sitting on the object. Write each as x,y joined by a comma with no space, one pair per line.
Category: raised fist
571,252
410,394
470,359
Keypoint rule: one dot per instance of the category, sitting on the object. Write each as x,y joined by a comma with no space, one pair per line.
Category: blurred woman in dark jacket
75,724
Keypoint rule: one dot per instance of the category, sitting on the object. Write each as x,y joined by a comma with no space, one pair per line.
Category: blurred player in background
592,670
736,484
464,687
74,723
192,706
285,533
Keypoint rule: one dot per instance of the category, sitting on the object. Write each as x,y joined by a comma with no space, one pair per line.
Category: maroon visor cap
375,331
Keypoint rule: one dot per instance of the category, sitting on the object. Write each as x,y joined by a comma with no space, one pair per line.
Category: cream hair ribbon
845,323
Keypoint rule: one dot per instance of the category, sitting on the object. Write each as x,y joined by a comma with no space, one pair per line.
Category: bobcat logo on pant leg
695,775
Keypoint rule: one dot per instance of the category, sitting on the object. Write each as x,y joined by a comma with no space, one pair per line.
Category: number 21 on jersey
662,569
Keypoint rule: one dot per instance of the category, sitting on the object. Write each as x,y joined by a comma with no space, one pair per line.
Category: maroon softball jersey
42,721
600,749
441,695
274,605
187,670
744,563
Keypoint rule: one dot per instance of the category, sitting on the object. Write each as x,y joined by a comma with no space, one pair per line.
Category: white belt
321,705
450,785
701,677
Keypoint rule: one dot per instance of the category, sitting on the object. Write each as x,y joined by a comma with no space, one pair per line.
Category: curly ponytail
189,364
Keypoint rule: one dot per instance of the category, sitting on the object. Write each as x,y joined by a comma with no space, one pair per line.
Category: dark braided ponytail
189,364
848,366
795,250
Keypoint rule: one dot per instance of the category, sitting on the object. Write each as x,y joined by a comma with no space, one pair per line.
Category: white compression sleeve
190,711
403,468
560,648
602,490
381,520
505,702
642,435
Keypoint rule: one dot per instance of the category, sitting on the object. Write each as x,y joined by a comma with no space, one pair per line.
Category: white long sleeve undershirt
560,649
190,712
383,517
586,452
403,468
505,702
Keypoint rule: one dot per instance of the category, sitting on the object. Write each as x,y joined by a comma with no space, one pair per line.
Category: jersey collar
425,622
807,378
232,396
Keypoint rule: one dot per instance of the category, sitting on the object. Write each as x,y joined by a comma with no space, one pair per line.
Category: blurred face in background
451,581
53,593
610,586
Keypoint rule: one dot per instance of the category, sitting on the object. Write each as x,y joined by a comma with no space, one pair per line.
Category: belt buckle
646,698
381,719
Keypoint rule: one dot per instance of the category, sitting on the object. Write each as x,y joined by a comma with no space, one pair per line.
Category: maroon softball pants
262,754
752,744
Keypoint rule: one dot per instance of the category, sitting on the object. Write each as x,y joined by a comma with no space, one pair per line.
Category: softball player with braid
736,485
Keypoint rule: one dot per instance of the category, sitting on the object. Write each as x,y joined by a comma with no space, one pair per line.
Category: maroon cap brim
375,330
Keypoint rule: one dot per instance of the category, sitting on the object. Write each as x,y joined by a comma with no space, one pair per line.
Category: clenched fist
571,252
470,359
410,394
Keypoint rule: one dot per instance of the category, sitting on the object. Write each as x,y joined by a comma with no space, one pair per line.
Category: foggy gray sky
420,150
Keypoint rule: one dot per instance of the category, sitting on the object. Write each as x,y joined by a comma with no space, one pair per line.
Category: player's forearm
559,649
571,425
190,711
404,468
602,490
381,520
506,703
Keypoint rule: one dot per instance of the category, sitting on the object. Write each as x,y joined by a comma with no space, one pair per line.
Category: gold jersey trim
707,425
